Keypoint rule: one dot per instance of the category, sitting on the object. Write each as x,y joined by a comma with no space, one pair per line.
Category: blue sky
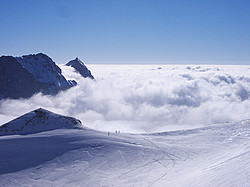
128,31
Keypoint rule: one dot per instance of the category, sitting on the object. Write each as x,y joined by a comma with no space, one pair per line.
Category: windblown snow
217,155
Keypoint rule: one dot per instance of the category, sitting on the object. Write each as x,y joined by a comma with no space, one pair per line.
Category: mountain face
80,67
38,121
21,77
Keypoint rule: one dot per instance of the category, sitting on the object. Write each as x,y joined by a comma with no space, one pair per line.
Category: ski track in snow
213,156
216,155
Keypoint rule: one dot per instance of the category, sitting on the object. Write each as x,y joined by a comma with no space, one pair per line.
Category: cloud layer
148,98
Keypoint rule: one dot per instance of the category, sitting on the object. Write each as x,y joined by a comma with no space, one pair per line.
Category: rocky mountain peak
80,67
21,77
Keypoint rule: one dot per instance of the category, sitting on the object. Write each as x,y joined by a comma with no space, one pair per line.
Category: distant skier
108,133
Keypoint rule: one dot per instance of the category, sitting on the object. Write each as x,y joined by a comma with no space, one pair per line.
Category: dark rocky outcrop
21,77
79,66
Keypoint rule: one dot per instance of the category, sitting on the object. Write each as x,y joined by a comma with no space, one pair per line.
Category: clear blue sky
118,31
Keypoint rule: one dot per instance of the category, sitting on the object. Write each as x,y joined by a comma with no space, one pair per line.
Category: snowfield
152,125
216,155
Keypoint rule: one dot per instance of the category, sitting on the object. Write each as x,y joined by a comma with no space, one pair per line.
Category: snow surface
43,69
217,155
38,121
45,149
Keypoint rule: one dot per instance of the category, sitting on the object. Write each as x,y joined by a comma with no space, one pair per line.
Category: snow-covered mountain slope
213,156
38,121
79,66
21,77
42,68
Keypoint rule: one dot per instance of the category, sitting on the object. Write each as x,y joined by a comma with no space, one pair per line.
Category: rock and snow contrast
37,121
216,155
211,102
79,67
21,77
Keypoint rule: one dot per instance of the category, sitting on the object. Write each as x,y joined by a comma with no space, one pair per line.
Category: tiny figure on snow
108,133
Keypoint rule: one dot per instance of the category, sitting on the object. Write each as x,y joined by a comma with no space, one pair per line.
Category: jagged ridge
21,77
79,66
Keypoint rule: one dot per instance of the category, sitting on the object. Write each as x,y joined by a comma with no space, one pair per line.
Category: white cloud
147,98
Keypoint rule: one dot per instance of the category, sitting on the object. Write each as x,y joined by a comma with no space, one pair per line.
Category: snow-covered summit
80,67
39,120
21,77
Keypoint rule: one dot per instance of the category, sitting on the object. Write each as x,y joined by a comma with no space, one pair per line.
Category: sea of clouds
147,98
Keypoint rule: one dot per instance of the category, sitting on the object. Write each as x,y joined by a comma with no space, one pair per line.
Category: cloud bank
148,98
